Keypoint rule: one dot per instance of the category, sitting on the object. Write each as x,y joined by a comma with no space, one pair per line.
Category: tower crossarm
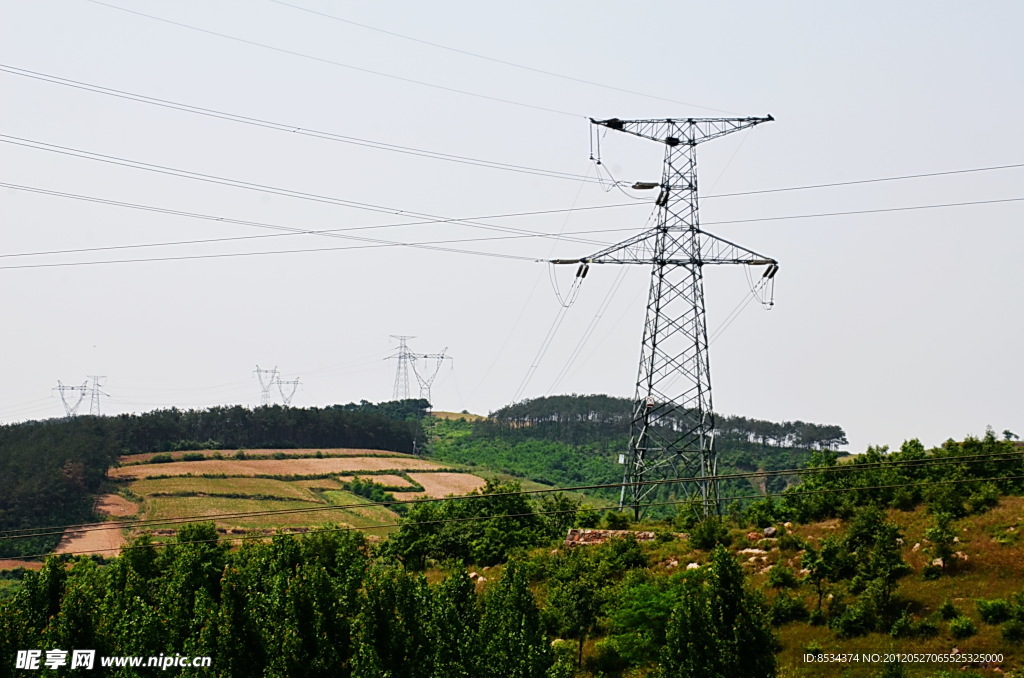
674,132
642,248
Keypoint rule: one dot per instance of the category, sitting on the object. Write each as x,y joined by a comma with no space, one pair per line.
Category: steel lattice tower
672,429
71,409
266,383
286,397
426,379
405,359
94,395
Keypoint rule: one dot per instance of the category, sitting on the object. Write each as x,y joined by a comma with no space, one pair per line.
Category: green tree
719,628
513,641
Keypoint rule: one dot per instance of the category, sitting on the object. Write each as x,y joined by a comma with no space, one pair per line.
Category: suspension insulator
579,271
586,267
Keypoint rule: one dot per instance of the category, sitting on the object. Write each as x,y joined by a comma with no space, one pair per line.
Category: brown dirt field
277,467
334,452
457,415
393,481
443,484
115,505
106,543
15,564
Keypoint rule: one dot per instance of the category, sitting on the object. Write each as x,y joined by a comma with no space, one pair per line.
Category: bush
984,498
616,520
931,572
709,533
926,628
786,609
193,456
782,577
791,542
962,627
240,455
279,455
948,610
606,658
902,627
993,611
1013,631
856,620
160,459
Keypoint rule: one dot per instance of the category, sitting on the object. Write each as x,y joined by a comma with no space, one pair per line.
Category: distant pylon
405,359
71,409
266,383
94,395
287,397
424,376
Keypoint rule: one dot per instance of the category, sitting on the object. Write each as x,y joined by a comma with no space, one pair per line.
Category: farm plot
253,487
443,484
209,508
388,480
104,542
142,458
275,467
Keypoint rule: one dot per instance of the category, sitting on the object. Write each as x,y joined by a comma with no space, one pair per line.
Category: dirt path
115,505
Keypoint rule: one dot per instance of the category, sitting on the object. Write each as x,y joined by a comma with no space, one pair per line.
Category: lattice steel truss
672,431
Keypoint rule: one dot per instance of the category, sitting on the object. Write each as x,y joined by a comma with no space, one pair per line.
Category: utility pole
71,409
426,378
405,360
287,397
672,429
94,395
267,379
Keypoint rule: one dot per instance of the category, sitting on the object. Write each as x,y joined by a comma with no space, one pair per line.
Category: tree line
49,470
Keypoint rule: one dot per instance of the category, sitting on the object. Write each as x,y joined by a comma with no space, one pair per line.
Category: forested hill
576,439
50,469
577,419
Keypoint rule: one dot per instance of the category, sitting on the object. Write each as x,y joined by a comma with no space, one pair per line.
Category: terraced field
274,467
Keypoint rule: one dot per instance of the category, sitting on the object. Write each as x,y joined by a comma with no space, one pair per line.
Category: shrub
926,628
160,459
962,627
948,610
279,455
709,533
606,658
791,542
782,577
785,609
931,572
240,455
902,627
193,456
984,498
856,620
616,520
993,611
1013,631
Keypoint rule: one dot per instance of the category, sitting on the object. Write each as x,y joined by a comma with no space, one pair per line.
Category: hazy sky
892,324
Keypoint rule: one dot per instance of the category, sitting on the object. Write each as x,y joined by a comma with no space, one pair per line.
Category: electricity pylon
405,359
426,379
672,429
71,409
287,397
94,395
265,383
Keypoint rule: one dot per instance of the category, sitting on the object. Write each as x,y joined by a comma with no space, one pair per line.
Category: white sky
893,325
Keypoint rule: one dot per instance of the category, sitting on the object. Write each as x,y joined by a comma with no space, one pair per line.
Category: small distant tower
405,360
267,380
287,393
71,408
95,393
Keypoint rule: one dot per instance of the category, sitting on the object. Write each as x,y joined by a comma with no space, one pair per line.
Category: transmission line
294,129
322,60
493,59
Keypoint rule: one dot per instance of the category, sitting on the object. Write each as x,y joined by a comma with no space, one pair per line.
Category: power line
339,63
854,182
289,231
495,60
928,462
225,181
586,509
293,129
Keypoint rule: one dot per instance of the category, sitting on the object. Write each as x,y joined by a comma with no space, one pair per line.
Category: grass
257,487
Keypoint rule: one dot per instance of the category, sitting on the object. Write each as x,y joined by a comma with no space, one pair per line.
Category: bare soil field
277,467
209,454
257,487
15,564
457,416
116,506
443,484
389,480
105,542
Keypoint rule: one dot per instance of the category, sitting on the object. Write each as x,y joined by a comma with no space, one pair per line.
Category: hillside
566,441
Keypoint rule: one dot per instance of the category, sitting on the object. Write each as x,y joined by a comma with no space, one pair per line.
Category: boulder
770,531
692,566
938,562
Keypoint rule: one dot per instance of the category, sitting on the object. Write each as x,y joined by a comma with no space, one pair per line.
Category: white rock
917,547
692,566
